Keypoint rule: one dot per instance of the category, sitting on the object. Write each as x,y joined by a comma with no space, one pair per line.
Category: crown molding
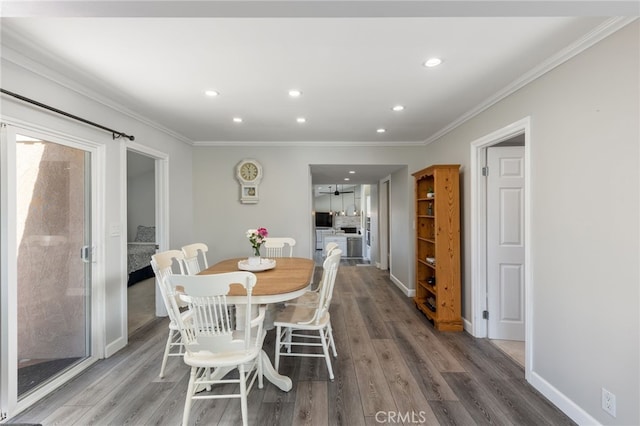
597,34
324,144
316,8
20,59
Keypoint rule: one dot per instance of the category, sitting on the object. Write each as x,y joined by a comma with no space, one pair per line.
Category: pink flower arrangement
256,238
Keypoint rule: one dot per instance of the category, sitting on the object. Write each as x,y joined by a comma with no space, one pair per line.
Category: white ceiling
335,174
353,61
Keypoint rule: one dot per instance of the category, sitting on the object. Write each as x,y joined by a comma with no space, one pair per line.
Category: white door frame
479,237
383,223
161,214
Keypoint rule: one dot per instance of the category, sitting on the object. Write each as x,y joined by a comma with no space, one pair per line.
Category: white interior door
505,243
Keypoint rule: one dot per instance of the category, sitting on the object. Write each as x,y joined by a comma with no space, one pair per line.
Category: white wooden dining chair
279,246
311,297
195,257
164,264
210,341
329,247
301,326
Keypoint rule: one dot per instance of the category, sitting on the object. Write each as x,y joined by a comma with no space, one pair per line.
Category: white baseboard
468,327
560,400
410,292
114,347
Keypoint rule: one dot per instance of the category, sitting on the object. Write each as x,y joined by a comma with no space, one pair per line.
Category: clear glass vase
255,258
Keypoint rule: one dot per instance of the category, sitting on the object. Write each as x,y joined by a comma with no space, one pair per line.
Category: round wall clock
249,174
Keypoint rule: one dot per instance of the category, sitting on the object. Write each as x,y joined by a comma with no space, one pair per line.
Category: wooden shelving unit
437,198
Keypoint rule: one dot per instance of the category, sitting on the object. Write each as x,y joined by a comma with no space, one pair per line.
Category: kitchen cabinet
321,234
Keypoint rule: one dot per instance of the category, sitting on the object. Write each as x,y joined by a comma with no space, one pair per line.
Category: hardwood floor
141,304
393,367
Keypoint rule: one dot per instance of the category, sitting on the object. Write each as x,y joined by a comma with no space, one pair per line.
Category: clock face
248,171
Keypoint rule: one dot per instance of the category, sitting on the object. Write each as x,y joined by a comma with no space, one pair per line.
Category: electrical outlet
608,402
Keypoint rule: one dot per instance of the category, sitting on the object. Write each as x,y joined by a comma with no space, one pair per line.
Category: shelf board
431,289
429,240
430,314
424,262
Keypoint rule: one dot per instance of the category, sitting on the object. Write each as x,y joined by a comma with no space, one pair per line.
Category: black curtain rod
114,133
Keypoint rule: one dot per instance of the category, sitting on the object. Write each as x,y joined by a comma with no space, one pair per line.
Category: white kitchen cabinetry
321,234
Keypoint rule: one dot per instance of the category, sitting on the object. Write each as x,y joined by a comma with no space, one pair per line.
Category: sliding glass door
48,263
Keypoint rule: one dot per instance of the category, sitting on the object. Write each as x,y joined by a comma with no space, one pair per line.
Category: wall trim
601,32
406,290
560,400
46,72
394,144
114,346
604,30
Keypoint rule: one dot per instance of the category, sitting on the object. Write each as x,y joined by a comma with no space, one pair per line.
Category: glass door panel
53,260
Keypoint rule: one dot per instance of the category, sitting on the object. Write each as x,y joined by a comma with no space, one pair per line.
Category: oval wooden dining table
290,278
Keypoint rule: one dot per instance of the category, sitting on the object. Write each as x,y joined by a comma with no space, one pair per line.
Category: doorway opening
146,231
141,238
500,225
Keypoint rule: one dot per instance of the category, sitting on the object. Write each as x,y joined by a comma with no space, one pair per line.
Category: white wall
32,80
284,208
401,216
141,199
585,234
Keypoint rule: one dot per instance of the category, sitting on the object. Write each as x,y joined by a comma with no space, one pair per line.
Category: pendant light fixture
355,208
330,207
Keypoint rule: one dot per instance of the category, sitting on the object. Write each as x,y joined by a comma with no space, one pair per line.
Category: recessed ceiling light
381,130
295,93
432,62
237,119
352,172
398,108
347,179
301,120
211,93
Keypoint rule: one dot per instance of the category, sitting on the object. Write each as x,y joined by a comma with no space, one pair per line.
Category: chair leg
331,341
167,348
325,349
288,339
260,375
243,395
190,392
278,342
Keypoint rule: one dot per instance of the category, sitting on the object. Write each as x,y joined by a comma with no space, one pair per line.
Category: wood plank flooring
393,367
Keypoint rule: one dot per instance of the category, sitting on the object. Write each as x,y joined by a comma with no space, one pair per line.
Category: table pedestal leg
270,373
